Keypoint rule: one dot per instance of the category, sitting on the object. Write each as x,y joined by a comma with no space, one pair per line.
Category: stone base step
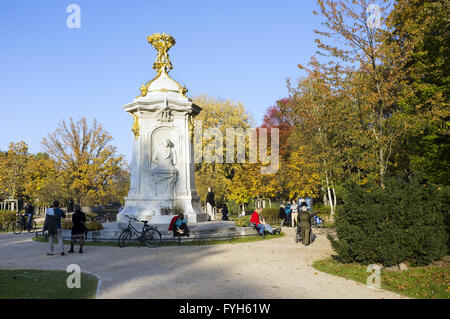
201,231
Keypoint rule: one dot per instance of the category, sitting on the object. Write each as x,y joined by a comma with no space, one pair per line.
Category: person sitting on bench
260,226
180,227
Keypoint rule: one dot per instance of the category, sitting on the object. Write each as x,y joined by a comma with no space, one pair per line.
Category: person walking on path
294,213
210,204
53,221
78,227
305,223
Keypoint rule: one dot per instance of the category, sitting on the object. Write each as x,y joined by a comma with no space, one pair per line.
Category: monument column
162,180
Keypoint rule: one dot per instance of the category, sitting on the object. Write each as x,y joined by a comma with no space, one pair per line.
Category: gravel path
276,268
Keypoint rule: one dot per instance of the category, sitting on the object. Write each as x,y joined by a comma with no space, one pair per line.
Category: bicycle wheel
151,237
33,227
124,238
17,228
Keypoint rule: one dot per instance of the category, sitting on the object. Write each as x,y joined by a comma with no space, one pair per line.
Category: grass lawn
430,282
44,284
174,242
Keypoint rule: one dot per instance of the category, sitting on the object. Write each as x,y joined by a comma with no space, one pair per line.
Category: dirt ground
276,268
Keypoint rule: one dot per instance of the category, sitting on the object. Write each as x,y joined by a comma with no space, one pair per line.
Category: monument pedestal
162,179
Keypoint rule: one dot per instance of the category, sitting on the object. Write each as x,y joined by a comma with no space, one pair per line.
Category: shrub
91,226
270,214
66,224
243,221
321,209
7,217
402,223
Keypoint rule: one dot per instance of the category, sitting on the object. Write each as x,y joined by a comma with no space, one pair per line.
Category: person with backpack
53,225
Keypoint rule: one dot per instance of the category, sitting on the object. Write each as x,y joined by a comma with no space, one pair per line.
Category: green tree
419,47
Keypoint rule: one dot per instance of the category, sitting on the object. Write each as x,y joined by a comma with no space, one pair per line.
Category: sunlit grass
430,282
44,284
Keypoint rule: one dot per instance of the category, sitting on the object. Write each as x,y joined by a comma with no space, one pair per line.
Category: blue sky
242,50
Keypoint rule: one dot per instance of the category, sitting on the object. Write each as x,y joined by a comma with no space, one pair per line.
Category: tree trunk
329,194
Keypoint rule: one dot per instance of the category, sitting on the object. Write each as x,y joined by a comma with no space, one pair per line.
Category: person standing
288,214
29,211
54,227
78,221
305,223
294,213
210,204
224,212
282,214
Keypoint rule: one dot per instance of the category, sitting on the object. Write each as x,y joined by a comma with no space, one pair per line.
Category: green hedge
402,223
271,214
7,217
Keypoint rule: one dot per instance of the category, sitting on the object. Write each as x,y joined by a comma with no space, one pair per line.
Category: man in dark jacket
29,211
54,215
224,212
210,204
282,214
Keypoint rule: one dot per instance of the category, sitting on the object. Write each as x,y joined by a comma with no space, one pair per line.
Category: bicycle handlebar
133,218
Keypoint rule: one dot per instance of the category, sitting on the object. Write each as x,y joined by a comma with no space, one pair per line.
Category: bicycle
149,235
21,224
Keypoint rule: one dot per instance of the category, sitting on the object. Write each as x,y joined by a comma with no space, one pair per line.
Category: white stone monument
162,180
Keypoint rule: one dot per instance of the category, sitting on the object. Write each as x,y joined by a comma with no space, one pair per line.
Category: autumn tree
43,180
316,135
12,167
218,115
352,59
85,158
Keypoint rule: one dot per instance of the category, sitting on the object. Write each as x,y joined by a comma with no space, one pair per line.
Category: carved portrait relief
164,159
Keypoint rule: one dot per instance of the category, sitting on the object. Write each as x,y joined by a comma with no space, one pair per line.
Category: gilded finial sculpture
162,42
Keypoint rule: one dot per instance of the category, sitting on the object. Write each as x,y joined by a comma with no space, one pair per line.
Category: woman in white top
294,213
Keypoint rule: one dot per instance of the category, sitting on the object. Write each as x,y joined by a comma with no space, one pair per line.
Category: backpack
172,222
50,224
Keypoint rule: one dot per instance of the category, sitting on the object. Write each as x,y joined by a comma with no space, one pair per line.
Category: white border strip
99,284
